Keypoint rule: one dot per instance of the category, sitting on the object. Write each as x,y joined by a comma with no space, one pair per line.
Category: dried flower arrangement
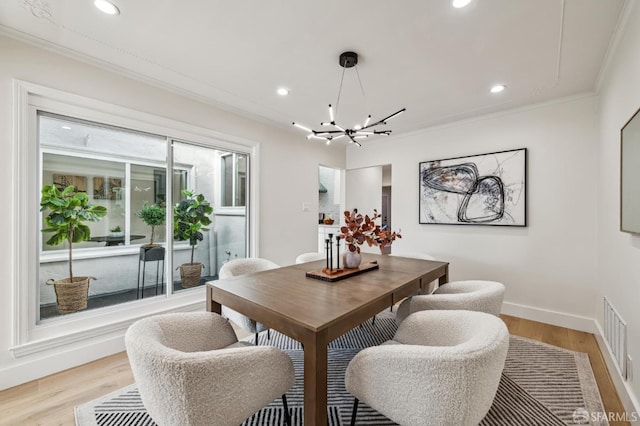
359,229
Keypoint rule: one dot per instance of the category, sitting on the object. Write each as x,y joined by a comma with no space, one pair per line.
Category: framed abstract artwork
486,189
630,175
107,188
62,181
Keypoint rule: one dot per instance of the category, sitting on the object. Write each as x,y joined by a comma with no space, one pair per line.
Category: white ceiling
437,61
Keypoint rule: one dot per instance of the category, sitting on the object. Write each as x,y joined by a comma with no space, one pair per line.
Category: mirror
630,175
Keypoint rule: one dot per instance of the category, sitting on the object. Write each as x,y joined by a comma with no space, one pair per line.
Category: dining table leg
212,306
444,278
315,379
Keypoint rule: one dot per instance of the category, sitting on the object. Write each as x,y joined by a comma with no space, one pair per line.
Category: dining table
315,312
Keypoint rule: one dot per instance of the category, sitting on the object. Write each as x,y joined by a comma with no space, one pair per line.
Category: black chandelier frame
348,60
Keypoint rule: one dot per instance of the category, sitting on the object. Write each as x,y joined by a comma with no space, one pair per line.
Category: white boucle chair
237,267
482,296
309,257
441,368
190,369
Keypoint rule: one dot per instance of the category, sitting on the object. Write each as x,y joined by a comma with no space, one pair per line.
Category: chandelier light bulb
300,126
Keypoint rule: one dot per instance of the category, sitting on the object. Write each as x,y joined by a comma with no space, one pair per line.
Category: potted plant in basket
359,229
190,216
68,210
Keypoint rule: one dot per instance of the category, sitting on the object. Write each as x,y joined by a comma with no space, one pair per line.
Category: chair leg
391,308
373,321
256,342
269,333
287,415
354,412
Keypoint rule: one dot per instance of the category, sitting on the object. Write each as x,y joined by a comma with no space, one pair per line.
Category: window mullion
127,204
168,261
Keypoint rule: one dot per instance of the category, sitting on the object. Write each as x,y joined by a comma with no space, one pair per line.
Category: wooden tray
340,274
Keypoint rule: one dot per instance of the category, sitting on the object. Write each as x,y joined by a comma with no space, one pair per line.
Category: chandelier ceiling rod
348,60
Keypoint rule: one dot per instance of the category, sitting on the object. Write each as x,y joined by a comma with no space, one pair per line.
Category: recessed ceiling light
498,88
66,127
282,91
460,3
107,7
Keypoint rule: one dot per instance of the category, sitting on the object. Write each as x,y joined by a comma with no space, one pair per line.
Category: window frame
233,209
29,338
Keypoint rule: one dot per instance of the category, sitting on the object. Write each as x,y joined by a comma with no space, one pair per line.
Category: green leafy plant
116,229
190,216
359,229
68,210
153,215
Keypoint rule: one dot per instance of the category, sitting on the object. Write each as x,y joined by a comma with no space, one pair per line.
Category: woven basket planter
190,274
71,296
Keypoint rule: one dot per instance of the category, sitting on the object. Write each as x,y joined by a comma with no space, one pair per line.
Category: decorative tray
325,274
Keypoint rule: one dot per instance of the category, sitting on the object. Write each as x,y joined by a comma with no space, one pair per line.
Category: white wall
288,176
551,264
618,252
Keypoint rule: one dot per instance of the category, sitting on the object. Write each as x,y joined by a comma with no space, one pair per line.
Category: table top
287,295
108,238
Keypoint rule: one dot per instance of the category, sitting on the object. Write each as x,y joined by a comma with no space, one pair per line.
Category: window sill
230,211
80,327
98,252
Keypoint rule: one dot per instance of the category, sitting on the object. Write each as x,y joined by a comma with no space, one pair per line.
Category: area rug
540,385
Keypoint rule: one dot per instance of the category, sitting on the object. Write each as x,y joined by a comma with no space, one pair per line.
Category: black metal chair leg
391,308
256,339
287,415
373,321
269,333
354,412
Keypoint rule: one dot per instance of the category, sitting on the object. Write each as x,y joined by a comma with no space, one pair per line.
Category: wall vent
615,334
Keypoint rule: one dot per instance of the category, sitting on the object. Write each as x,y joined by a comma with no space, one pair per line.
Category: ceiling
437,61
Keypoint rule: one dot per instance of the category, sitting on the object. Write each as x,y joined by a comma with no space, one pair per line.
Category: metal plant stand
150,254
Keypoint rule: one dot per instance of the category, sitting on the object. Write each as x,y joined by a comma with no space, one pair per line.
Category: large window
125,172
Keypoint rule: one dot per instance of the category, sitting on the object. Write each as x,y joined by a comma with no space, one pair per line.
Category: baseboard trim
574,322
626,394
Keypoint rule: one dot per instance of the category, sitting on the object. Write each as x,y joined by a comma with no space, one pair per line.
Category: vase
352,259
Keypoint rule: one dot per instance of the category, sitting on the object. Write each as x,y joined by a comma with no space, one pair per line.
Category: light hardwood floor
50,401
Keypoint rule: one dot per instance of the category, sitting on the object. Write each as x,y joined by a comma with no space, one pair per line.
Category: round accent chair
309,257
473,295
191,370
237,267
441,368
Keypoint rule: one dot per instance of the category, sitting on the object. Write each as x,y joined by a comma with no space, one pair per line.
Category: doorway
367,189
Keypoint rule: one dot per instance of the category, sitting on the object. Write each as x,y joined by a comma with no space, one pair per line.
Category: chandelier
348,60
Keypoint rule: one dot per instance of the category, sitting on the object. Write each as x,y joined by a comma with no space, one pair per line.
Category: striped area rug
540,385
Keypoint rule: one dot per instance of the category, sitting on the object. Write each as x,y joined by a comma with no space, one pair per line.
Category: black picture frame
630,175
482,189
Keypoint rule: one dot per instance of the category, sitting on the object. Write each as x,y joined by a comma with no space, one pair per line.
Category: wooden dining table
315,312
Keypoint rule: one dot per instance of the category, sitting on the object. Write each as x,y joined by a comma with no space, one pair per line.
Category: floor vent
615,334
